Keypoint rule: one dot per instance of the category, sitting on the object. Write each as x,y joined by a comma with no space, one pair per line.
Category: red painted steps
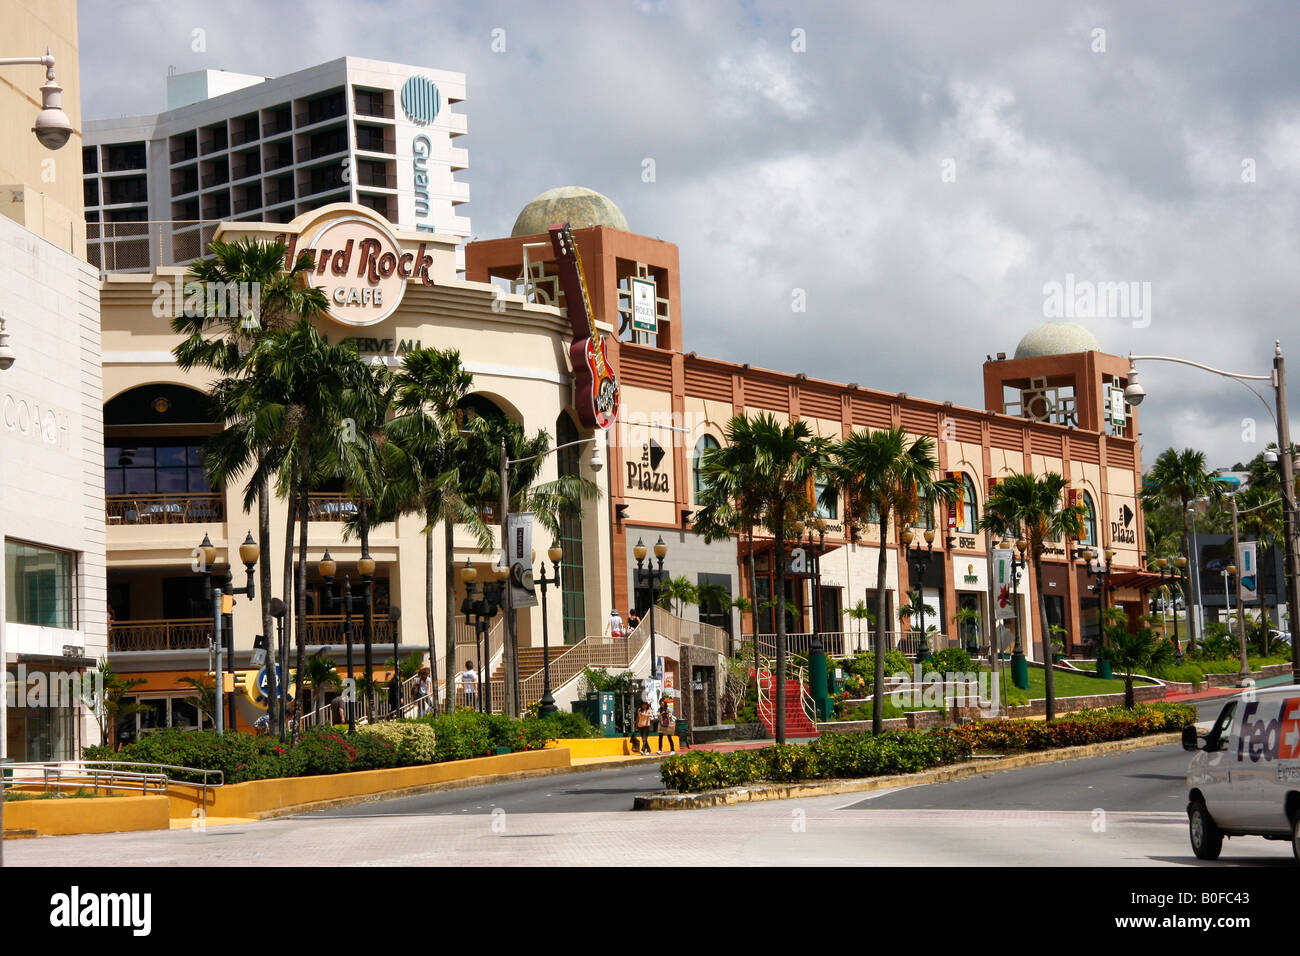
797,723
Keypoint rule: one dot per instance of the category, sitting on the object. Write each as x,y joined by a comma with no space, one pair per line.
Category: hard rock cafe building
1048,408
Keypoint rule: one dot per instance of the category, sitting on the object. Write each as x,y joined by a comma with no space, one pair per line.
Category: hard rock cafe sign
360,266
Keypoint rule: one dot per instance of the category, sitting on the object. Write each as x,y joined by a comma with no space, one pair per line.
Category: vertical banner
1003,580
957,503
1248,569
519,558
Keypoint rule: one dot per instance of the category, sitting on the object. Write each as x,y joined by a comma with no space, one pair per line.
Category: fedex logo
1275,739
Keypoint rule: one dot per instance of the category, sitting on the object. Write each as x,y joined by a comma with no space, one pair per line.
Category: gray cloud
821,170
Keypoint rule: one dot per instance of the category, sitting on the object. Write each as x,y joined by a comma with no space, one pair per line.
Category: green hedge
831,756
325,750
1072,730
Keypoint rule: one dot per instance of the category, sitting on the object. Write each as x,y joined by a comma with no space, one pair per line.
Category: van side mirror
1191,740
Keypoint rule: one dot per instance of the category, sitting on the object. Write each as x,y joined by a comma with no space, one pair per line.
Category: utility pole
1241,608
1291,576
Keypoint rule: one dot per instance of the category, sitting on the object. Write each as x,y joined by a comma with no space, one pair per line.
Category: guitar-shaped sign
595,386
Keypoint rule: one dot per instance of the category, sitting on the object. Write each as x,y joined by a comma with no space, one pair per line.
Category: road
1117,810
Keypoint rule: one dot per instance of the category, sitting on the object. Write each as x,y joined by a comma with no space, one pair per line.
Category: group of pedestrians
663,723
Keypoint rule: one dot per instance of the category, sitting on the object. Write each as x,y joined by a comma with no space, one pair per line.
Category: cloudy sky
921,171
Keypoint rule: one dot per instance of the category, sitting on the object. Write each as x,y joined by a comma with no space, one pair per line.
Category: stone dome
580,206
1056,338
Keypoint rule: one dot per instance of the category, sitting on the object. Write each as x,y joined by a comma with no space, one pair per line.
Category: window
40,585
706,443
969,507
829,511
1089,521
924,514
573,586
154,469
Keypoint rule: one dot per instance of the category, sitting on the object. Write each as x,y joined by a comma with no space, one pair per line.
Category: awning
1142,580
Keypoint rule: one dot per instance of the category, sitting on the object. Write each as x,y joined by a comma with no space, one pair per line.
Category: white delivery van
1245,777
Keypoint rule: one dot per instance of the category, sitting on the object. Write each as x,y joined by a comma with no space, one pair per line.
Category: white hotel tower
233,146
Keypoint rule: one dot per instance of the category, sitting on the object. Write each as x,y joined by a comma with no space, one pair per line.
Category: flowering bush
413,742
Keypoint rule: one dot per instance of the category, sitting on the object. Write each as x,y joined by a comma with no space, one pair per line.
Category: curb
666,800
478,781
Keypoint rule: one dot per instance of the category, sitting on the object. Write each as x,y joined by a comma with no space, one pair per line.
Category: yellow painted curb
84,815
584,747
754,793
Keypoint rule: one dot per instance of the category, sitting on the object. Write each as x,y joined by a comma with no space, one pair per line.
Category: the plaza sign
361,268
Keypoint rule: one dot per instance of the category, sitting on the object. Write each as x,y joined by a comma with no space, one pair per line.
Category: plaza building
52,615
1056,405
231,146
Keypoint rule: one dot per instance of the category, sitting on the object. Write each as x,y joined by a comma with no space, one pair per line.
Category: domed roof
1056,338
580,206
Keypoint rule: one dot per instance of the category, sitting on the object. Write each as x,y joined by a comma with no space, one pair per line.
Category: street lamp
918,560
52,125
1101,578
652,576
206,555
479,609
278,611
1134,393
327,567
7,354
548,700
511,639
1019,665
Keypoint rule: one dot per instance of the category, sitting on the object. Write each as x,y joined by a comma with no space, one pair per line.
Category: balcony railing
165,509
328,629
326,507
171,635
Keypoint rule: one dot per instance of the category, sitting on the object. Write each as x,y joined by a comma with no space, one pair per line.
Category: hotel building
267,149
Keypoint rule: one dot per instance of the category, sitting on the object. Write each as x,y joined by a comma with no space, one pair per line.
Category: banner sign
645,315
519,559
1247,568
1004,605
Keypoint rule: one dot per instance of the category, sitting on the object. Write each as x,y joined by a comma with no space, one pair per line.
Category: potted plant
1058,643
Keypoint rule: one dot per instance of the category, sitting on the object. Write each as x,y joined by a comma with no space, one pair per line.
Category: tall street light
479,609
918,562
1019,665
510,651
222,597
652,576
547,706
1134,393
327,566
1101,574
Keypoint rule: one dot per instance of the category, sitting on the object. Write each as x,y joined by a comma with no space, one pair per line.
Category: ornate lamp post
479,608
223,618
327,566
918,560
547,704
366,568
1101,578
1019,666
652,576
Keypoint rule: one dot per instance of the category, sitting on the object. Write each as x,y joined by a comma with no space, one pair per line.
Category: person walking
469,683
614,626
667,720
422,690
643,718
395,695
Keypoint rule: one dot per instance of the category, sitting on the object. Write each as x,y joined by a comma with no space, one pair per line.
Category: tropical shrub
952,660
412,741
1081,727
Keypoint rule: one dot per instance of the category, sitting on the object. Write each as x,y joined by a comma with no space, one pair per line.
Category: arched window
1089,521
705,443
925,514
969,507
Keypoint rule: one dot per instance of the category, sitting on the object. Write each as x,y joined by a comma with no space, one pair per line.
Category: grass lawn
1064,684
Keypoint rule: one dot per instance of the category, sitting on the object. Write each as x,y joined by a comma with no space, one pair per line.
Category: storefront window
152,468
573,587
706,443
1089,521
40,585
830,510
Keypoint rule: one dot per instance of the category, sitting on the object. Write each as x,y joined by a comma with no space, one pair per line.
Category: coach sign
360,266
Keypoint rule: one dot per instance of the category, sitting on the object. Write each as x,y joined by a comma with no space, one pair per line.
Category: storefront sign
645,316
647,473
361,268
519,559
969,574
34,420
1122,530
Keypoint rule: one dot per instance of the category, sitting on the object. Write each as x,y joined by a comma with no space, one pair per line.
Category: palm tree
676,593
1033,508
1143,651
1180,476
859,613
886,474
219,339
319,674
110,703
779,462
205,697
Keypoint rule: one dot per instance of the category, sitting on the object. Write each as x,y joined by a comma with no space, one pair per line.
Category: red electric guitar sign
595,386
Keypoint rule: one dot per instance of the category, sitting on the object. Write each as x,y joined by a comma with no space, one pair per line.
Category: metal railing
330,507
108,775
328,629
848,643
165,509
159,635
147,244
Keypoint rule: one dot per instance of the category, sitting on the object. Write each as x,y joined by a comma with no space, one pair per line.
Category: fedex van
1245,777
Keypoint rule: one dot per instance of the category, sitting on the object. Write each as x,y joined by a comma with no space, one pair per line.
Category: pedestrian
395,695
469,683
633,621
666,724
614,626
643,718
422,691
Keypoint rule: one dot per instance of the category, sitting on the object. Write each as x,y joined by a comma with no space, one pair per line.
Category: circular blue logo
421,100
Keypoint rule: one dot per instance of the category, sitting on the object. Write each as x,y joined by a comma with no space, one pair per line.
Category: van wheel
1207,838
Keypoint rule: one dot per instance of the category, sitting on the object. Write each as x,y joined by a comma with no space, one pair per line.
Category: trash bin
683,731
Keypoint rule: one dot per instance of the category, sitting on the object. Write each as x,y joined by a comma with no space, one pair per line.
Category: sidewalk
1214,692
